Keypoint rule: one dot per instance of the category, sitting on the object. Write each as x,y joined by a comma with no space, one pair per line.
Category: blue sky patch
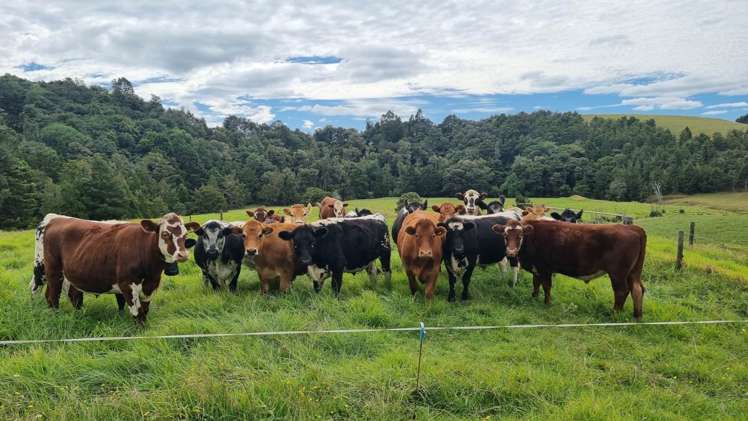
314,59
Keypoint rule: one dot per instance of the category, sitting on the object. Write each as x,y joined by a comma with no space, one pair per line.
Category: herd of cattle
128,259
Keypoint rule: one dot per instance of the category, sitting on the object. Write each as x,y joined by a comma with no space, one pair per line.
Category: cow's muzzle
425,253
512,252
251,252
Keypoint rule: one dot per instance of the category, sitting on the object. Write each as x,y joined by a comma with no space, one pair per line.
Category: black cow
494,206
470,242
332,246
219,252
358,212
568,215
403,212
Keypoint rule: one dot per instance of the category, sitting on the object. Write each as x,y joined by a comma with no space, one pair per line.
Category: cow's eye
165,235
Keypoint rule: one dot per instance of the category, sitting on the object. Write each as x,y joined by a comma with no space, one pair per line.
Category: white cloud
741,104
389,49
662,103
714,112
308,124
364,108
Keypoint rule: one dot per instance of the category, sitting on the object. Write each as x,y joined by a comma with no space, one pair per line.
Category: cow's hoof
465,297
452,298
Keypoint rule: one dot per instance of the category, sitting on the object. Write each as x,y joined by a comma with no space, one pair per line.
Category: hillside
676,123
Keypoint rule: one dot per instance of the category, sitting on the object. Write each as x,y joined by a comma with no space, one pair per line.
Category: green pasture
638,372
676,123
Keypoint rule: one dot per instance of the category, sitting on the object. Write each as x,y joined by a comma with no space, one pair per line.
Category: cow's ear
528,229
285,235
267,230
461,209
460,196
483,195
525,212
502,199
149,225
579,215
250,213
440,231
410,230
425,204
287,211
232,229
192,226
307,209
435,208
271,212
468,225
345,204
555,216
320,232
498,228
190,242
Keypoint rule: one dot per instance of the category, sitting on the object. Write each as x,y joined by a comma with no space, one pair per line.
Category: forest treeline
103,153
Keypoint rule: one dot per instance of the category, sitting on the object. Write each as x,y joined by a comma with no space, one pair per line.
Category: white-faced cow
331,247
331,207
219,252
407,209
469,243
473,201
568,215
108,257
494,206
265,216
582,251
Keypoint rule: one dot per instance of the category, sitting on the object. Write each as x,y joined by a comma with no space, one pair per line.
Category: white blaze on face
471,199
521,238
163,244
338,208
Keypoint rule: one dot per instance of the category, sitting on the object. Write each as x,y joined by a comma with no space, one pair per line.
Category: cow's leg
384,259
337,281
620,290
452,281
372,271
637,294
264,281
504,264
536,281
235,278
466,281
284,283
120,301
412,283
430,281
54,286
547,284
131,293
76,297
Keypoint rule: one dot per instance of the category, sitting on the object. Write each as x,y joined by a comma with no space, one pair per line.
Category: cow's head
426,233
213,235
514,233
496,206
297,213
414,206
568,215
262,215
455,240
448,210
338,208
534,213
172,236
305,239
472,200
254,234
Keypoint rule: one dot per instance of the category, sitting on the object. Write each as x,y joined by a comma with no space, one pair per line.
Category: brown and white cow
420,245
473,201
582,251
331,207
297,213
447,210
121,258
265,216
273,258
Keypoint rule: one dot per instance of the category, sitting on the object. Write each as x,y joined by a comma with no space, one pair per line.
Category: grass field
642,372
676,123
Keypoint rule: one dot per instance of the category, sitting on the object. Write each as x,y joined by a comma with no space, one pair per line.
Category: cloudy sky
314,63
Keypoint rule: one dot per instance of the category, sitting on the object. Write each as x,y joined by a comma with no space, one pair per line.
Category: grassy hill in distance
676,123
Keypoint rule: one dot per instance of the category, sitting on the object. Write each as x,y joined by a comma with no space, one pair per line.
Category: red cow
420,245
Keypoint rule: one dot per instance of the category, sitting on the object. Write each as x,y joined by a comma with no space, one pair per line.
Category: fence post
679,255
691,233
221,217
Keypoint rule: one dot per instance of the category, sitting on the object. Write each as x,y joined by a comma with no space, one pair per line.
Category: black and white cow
333,246
494,206
219,252
568,215
473,201
403,212
358,212
470,243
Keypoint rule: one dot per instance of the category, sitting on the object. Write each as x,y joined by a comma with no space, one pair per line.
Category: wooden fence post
691,233
221,217
679,255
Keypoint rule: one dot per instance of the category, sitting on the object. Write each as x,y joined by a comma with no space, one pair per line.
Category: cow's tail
37,280
639,265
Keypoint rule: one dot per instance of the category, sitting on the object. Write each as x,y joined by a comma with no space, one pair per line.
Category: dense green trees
89,152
